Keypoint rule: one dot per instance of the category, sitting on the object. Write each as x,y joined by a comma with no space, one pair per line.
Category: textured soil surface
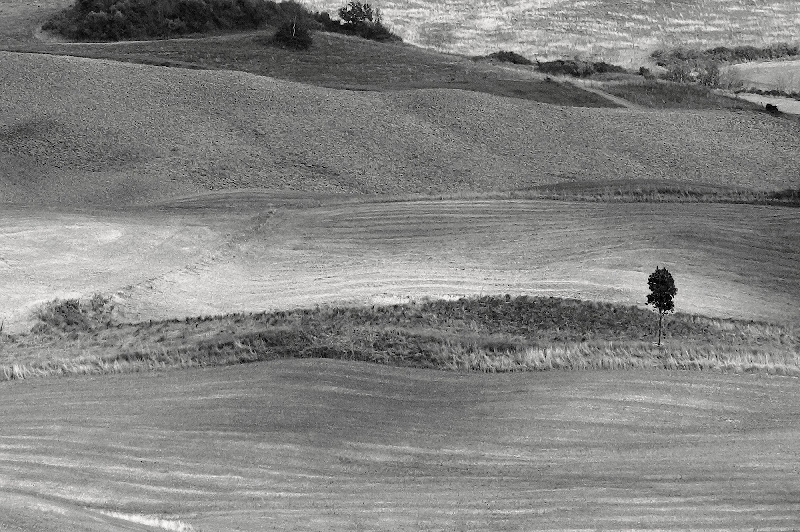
80,131
323,445
618,32
249,252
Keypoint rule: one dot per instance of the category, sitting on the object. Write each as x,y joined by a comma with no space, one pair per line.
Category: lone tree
662,290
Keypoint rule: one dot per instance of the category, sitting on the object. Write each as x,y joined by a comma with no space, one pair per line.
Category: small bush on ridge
293,34
577,68
362,20
505,56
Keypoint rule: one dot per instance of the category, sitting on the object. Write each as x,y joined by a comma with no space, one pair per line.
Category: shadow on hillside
335,61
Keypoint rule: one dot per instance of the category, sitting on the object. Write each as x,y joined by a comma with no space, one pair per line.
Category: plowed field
322,445
194,258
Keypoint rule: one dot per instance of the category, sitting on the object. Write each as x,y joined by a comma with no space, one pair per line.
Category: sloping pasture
316,444
82,132
199,256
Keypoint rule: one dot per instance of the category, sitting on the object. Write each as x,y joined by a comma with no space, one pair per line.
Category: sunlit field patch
614,31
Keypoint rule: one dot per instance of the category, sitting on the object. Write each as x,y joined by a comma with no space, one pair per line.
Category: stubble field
192,258
310,445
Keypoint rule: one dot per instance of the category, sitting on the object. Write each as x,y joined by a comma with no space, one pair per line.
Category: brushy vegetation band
118,20
489,334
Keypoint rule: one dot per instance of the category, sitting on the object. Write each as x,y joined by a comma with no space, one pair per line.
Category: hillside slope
82,131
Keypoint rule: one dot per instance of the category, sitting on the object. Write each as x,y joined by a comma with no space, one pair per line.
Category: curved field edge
243,253
489,334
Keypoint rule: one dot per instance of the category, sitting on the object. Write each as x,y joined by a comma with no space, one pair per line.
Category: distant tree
356,14
361,19
662,290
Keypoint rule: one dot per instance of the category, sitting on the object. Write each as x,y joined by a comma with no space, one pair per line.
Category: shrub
505,56
362,20
294,35
356,14
113,20
71,315
577,68
326,22
686,65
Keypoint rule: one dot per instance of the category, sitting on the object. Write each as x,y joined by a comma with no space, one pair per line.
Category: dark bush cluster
776,92
504,56
577,68
361,20
791,194
73,315
689,65
114,20
725,54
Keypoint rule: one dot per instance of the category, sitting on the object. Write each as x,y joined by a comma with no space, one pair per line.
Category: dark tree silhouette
662,290
357,14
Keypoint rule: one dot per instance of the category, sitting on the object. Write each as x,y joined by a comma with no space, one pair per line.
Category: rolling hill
84,132
178,192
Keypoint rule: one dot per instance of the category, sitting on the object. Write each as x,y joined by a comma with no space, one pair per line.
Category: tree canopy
662,290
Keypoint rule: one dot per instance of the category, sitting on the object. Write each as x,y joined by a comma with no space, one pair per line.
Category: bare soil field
82,132
311,445
225,253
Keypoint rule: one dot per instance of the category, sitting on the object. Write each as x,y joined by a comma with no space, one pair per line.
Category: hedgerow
114,20
117,20
577,68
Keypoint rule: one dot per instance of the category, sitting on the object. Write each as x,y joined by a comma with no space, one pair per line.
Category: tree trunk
660,317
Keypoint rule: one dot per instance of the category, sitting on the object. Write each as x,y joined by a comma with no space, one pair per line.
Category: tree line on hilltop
117,20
